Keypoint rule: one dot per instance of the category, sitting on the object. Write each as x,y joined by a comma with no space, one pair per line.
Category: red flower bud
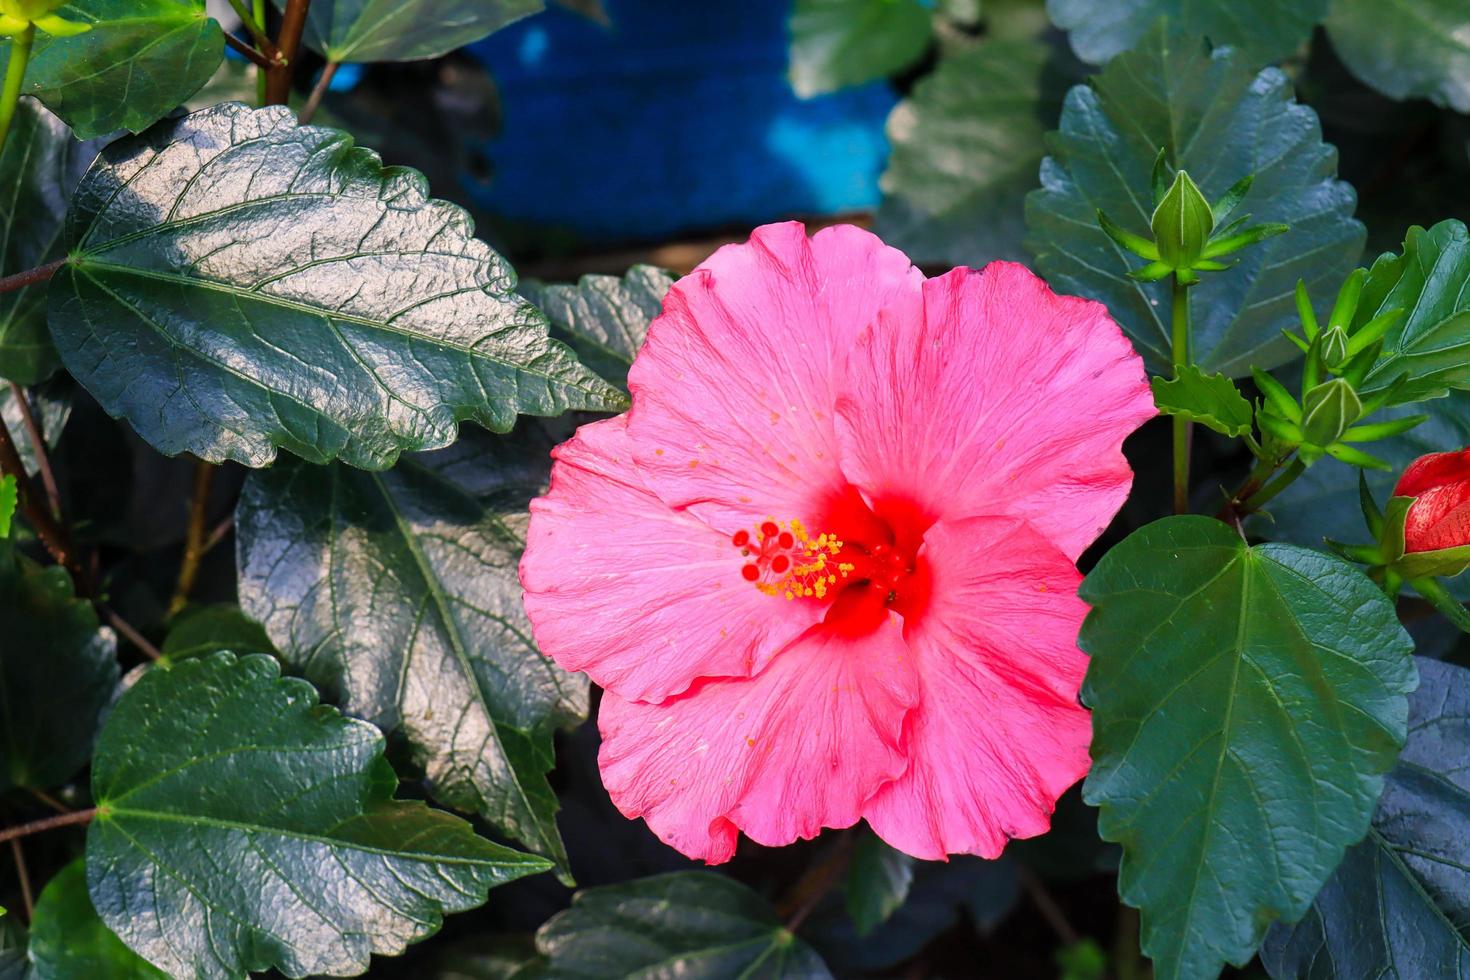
1439,517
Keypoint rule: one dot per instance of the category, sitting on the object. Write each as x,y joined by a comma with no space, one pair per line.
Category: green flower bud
1327,411
1182,223
1334,347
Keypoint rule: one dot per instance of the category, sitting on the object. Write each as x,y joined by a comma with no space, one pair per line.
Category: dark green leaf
966,147
695,925
405,30
1406,48
1431,344
138,62
837,43
51,408
210,629
69,941
1209,399
1218,119
1246,703
398,594
496,957
1399,904
39,166
9,500
604,318
14,964
56,674
241,826
1268,30
240,283
878,880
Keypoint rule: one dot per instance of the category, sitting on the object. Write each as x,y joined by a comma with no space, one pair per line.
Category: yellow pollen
784,559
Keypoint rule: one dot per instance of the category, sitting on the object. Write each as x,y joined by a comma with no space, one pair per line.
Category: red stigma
786,540
780,563
769,528
750,573
741,539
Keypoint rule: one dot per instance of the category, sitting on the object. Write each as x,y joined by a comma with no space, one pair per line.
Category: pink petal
643,598
1000,397
998,733
780,755
733,392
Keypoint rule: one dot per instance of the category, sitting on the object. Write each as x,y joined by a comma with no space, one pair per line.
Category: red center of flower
867,564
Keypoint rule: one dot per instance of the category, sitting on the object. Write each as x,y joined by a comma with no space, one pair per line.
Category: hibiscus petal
798,747
733,391
998,733
643,598
1001,397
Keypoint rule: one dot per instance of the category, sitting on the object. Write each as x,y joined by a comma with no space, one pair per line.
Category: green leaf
604,318
1405,49
695,925
138,62
398,594
40,164
14,964
878,881
9,498
51,407
257,829
1399,904
240,283
837,43
505,956
1246,703
405,30
210,629
69,940
966,147
1217,118
1266,31
56,675
1432,343
1209,399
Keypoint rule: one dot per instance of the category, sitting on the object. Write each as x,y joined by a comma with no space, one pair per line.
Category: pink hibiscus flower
825,566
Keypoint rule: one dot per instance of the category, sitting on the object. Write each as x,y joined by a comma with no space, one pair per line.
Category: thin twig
814,884
255,28
218,534
50,823
49,800
30,277
38,444
133,636
252,55
318,93
25,879
288,44
1048,907
47,528
194,538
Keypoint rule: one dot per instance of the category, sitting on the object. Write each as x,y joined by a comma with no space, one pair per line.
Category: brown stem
194,538
133,636
814,884
251,55
288,44
38,444
48,529
318,93
49,800
25,879
1048,907
30,277
218,534
50,823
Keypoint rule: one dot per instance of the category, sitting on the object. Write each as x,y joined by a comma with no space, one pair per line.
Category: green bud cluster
1188,234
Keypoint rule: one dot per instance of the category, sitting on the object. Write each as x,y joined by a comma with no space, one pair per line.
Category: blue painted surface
679,117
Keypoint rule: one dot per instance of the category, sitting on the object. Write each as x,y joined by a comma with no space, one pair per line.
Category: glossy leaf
241,283
14,965
68,940
1246,703
695,925
257,829
1399,904
492,957
1431,343
878,881
837,43
39,165
405,30
1266,31
9,501
966,147
51,409
210,629
139,61
1217,118
1209,399
57,671
398,594
604,318
1406,48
